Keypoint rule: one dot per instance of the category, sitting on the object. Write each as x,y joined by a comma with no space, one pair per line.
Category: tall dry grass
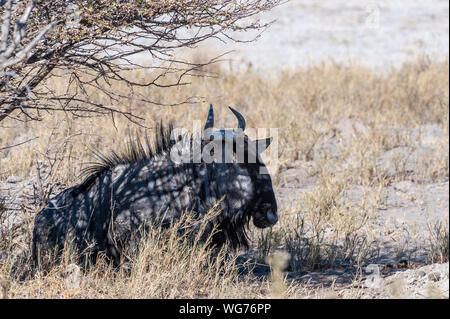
162,263
320,230
303,104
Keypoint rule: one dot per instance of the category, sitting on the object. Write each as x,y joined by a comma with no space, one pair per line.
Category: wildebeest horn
210,120
240,119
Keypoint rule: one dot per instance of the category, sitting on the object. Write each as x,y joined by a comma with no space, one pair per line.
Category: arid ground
361,174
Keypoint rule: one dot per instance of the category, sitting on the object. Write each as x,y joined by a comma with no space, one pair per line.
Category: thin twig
15,145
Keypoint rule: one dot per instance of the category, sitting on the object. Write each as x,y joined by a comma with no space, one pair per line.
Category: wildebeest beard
123,192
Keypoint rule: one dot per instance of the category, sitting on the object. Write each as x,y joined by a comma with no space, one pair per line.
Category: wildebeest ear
262,145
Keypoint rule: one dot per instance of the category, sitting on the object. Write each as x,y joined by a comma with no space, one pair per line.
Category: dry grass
439,242
303,104
321,230
161,264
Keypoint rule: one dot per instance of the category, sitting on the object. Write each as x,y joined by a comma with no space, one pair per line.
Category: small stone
434,276
421,273
13,179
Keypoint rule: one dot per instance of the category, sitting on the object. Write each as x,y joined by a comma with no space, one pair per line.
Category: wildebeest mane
145,148
136,150
235,230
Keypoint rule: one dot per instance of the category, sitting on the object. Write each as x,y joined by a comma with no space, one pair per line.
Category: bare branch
95,44
15,145
26,51
6,23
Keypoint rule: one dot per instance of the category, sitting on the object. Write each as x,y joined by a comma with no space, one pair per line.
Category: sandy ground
400,224
402,219
377,34
430,281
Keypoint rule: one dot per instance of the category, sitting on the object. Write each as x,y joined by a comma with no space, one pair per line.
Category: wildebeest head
246,154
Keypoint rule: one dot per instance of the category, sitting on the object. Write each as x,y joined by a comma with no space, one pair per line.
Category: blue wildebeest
123,192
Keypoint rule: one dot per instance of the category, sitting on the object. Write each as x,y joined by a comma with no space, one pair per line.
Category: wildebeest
122,192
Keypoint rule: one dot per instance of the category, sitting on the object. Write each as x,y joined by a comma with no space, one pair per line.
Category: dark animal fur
66,208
